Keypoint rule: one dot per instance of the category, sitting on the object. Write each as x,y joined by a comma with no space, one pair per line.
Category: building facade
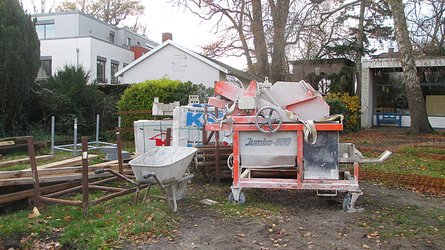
383,90
175,62
317,72
75,38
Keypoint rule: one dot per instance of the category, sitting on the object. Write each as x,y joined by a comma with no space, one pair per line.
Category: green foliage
108,225
426,161
19,61
67,95
140,96
341,81
349,106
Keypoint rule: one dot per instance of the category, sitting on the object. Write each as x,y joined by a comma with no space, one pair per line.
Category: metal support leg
237,196
349,202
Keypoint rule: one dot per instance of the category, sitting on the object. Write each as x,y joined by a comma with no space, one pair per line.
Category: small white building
75,38
178,63
383,91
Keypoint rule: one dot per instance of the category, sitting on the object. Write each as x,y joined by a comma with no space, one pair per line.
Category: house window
114,69
45,70
45,29
111,37
101,63
128,41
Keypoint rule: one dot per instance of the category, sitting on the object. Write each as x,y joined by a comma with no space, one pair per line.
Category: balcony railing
101,80
115,80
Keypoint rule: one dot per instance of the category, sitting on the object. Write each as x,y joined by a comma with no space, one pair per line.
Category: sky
188,30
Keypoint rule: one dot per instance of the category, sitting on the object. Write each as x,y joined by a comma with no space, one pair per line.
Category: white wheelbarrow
166,166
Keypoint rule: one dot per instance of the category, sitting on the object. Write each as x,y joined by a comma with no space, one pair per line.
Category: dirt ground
304,221
393,218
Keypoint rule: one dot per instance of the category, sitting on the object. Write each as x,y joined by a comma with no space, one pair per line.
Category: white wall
174,64
63,51
111,52
64,25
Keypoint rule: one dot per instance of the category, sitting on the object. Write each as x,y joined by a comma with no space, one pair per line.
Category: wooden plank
56,171
16,196
53,178
6,143
49,179
24,160
67,162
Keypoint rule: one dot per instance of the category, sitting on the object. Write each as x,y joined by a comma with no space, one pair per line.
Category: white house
75,38
178,63
383,91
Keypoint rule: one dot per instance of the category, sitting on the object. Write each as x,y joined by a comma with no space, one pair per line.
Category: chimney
166,36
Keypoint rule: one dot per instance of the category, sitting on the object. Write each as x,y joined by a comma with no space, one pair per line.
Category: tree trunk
280,12
416,102
359,48
259,41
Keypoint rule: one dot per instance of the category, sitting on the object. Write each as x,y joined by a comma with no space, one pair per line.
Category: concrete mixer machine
284,137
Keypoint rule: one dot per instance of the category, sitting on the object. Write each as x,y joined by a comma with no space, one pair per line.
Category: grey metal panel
321,159
260,150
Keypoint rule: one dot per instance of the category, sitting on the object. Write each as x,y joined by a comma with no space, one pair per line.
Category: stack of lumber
14,144
56,176
205,161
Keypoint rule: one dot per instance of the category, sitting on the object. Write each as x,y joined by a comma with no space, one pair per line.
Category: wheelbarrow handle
150,174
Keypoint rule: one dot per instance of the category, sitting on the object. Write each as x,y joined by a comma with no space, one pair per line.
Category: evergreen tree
19,61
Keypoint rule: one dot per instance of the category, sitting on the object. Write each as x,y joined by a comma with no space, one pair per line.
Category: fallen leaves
373,235
34,214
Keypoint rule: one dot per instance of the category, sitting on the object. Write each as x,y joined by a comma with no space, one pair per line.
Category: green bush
67,95
349,106
140,97
19,63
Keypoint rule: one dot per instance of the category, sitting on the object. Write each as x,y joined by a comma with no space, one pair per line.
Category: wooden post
119,151
217,165
35,174
168,137
204,131
85,194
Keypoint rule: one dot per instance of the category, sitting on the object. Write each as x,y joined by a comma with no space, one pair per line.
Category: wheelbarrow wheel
347,202
242,198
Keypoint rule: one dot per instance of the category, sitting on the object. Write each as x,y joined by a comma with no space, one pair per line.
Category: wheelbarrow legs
171,200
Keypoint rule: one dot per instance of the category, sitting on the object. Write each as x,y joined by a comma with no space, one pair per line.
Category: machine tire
347,202
242,198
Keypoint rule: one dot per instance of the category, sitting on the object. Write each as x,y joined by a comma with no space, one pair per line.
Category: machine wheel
270,116
347,202
242,198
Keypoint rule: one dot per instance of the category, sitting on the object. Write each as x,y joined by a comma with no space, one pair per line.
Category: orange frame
242,124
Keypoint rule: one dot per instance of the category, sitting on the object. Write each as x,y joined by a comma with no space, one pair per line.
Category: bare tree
259,40
416,102
110,11
426,23
42,6
244,25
